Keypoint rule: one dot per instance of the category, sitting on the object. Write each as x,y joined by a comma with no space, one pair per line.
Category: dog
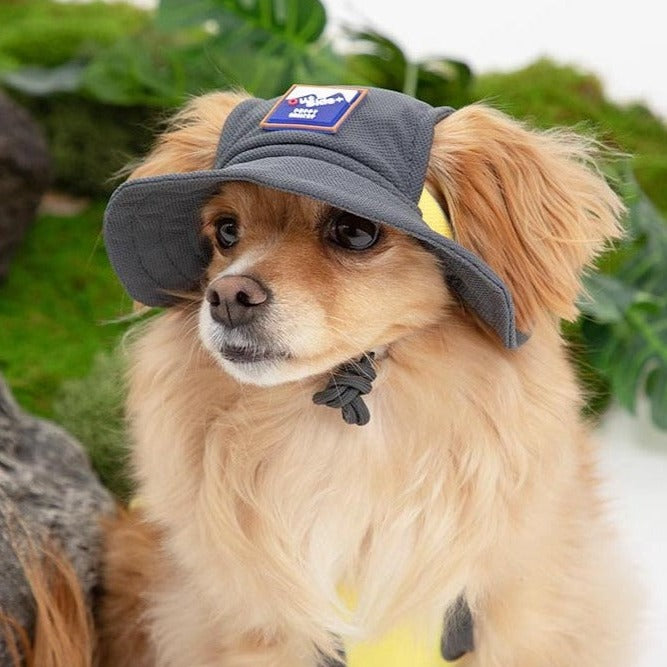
456,505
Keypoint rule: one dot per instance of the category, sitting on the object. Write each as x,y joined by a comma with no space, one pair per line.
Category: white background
634,465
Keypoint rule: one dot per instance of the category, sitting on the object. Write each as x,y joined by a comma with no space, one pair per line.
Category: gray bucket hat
364,151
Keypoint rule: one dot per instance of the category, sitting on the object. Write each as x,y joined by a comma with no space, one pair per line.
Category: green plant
624,324
44,48
378,61
45,34
99,87
188,48
262,46
90,142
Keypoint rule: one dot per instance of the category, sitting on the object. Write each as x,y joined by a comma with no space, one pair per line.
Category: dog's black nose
235,300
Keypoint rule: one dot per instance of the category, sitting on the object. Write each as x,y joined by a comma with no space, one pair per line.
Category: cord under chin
348,383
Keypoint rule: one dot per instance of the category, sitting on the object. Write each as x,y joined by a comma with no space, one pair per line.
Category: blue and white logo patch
318,108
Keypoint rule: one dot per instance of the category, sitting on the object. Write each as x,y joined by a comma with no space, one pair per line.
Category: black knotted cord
348,383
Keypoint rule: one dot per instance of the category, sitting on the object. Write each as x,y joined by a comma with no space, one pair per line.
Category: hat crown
386,138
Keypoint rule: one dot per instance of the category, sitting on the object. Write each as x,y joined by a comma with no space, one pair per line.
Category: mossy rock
90,142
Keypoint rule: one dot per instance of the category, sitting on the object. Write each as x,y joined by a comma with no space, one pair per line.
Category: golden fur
475,473
63,635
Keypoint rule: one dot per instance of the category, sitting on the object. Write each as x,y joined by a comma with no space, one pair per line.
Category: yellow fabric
433,215
402,647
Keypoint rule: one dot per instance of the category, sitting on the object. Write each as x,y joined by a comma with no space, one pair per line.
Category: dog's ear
191,138
531,204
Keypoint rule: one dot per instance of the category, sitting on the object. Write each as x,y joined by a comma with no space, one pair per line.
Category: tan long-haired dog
475,478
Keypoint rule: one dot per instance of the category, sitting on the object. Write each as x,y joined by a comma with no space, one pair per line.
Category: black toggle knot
348,383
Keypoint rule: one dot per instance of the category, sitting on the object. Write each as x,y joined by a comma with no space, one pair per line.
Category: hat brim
152,230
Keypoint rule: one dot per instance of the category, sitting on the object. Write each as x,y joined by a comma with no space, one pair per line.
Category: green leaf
378,61
296,21
625,312
262,46
656,387
443,81
130,73
606,298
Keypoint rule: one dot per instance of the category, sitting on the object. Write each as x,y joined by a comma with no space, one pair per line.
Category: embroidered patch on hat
318,108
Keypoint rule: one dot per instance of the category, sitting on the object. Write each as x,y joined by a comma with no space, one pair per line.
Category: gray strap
457,635
348,383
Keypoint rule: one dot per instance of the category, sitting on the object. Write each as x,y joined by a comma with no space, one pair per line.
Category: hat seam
139,255
169,258
413,154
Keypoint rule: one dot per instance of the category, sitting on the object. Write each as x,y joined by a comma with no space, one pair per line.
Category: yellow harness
398,648
403,646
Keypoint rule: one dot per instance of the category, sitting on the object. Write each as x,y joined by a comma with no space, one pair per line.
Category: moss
44,33
56,306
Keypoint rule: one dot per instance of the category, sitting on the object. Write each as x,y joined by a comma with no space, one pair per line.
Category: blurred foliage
44,34
377,60
44,48
624,323
110,71
89,141
91,409
187,48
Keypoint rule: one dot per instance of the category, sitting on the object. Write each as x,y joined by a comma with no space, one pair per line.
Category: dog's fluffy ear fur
191,139
532,204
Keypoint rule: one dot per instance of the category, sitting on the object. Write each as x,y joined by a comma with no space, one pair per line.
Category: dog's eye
353,233
226,231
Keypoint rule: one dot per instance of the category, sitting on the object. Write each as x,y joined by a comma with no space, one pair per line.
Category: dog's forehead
263,205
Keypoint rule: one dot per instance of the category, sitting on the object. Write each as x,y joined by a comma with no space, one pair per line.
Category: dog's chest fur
281,499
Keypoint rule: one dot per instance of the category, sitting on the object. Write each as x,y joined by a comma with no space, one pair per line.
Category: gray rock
47,487
24,175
